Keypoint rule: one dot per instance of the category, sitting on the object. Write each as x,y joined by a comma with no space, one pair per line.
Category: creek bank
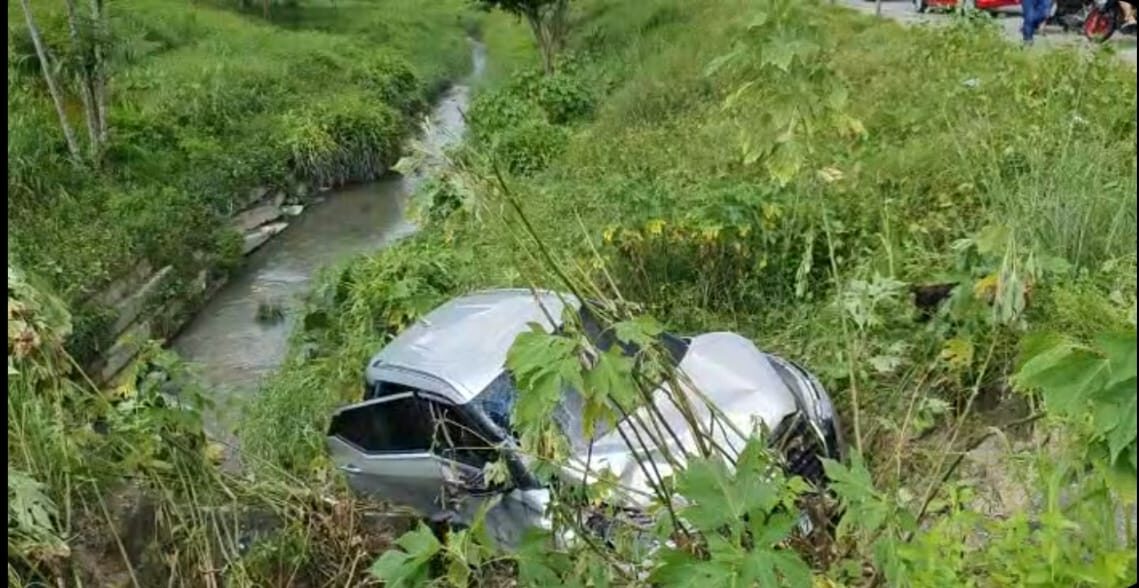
140,304
319,224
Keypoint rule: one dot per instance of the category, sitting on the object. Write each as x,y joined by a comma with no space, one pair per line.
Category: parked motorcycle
1097,20
1104,18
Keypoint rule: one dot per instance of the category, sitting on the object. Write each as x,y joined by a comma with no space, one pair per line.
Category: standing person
1128,9
1035,12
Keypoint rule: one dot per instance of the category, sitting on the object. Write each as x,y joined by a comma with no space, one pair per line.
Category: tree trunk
99,80
86,93
265,8
52,86
537,27
548,26
558,24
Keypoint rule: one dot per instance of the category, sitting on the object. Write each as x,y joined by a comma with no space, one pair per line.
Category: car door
403,448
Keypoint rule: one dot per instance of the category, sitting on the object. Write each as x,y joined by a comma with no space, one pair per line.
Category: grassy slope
942,167
1042,143
206,105
209,104
655,173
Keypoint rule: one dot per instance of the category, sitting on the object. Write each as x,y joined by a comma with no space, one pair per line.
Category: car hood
726,369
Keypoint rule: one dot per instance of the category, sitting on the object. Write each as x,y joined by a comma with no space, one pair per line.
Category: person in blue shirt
1035,12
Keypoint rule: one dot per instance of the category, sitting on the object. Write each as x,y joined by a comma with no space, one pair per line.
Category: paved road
903,11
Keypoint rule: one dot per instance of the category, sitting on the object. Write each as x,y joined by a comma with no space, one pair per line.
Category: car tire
920,6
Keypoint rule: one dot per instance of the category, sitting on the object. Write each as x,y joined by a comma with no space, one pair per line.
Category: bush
340,140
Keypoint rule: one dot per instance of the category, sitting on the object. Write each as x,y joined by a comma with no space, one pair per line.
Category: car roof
464,342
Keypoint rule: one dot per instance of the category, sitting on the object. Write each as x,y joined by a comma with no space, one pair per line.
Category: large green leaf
407,567
717,498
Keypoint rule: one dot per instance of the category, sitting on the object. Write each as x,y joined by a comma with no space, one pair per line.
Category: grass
655,180
682,190
208,105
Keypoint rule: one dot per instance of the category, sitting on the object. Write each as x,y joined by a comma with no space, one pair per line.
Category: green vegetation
781,168
206,106
795,173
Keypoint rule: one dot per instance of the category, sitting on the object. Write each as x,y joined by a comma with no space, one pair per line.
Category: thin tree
548,20
99,70
92,86
52,86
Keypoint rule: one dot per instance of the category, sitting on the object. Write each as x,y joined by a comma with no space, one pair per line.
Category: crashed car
437,404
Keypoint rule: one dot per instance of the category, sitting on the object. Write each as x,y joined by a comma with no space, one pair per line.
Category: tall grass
208,105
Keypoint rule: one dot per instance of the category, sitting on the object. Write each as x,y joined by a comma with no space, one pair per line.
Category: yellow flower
986,288
655,226
958,353
215,452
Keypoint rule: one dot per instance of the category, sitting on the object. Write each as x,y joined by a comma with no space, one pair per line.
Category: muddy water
228,346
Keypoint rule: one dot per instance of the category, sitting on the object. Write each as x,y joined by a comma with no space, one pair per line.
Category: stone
293,209
122,287
124,350
998,494
257,216
132,307
260,235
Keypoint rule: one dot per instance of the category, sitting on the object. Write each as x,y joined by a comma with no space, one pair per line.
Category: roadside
903,11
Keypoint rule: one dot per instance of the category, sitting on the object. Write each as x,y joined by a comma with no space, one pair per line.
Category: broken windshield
497,400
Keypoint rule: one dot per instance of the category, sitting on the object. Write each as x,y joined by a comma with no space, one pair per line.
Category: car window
497,402
414,424
401,425
456,438
606,338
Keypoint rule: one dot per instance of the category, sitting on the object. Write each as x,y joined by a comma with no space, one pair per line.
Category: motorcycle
1103,19
1097,20
983,5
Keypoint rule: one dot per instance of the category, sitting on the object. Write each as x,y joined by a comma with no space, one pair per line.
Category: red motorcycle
1102,19
923,5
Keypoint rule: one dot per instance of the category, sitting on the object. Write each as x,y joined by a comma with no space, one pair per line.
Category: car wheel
920,6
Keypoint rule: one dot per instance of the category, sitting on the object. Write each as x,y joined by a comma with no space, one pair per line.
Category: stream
225,343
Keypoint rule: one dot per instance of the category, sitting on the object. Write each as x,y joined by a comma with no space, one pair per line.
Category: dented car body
438,400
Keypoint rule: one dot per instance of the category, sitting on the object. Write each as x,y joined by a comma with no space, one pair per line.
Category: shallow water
233,351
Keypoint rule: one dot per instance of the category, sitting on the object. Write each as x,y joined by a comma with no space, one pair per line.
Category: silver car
437,405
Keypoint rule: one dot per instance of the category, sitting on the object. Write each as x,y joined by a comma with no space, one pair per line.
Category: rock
301,189
255,217
293,209
998,495
1005,484
130,309
279,198
124,350
122,287
201,281
257,237
270,311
